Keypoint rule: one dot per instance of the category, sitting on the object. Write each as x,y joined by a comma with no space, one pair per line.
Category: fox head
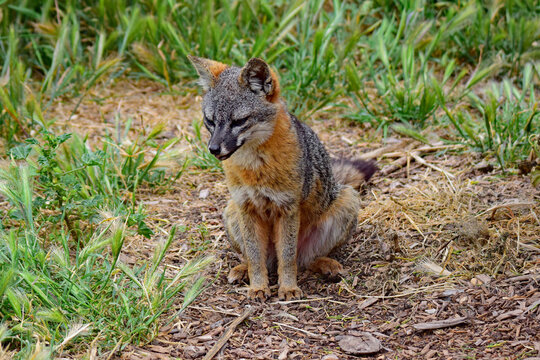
239,105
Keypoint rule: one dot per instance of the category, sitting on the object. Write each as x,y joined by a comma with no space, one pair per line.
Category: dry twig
228,333
387,149
440,324
308,333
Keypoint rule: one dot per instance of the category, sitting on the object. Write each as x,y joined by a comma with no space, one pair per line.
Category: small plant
507,30
129,163
74,187
201,242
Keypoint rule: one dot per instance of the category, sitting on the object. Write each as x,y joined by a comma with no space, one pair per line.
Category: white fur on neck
249,156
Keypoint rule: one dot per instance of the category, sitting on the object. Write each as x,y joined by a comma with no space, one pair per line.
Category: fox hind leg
334,229
238,273
328,267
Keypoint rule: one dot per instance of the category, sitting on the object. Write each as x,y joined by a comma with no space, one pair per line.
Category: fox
290,205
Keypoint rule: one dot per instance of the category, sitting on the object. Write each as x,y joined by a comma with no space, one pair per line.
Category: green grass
61,278
469,69
510,119
397,61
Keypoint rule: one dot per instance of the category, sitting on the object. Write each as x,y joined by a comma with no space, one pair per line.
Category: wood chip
534,277
532,306
441,324
367,303
159,349
204,338
364,344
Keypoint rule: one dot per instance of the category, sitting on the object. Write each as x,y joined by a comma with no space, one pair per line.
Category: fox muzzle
222,144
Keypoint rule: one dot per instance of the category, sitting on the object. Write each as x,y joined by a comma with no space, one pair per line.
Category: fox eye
208,122
240,122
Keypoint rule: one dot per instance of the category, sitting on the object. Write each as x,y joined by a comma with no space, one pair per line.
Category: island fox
289,200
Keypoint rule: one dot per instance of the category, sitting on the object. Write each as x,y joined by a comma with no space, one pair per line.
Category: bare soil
441,239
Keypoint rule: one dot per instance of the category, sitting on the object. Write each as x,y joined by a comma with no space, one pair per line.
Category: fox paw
237,273
259,293
289,293
327,267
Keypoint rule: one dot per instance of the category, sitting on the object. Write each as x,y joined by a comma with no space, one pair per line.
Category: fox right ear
209,71
257,76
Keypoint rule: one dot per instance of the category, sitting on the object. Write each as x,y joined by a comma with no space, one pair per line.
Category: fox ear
260,79
209,71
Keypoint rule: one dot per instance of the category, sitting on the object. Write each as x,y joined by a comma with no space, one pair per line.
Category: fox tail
353,172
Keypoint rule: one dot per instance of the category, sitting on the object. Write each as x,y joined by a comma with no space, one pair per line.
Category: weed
78,182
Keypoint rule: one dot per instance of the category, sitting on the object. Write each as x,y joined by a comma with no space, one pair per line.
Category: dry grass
413,220
451,224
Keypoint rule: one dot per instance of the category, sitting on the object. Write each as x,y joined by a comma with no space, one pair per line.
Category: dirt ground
442,235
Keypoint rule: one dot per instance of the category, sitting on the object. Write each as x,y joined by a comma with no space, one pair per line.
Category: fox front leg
255,234
286,240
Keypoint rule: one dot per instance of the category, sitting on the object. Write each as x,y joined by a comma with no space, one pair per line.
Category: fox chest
265,201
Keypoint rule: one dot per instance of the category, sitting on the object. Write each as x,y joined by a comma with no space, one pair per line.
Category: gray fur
315,164
225,104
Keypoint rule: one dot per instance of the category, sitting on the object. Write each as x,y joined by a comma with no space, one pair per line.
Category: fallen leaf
283,355
486,279
204,338
204,193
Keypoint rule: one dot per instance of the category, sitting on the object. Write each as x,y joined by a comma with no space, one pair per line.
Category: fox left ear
258,76
209,71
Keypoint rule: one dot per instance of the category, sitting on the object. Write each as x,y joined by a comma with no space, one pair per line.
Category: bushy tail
353,172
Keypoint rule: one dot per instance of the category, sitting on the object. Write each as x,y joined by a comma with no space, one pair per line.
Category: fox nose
214,149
